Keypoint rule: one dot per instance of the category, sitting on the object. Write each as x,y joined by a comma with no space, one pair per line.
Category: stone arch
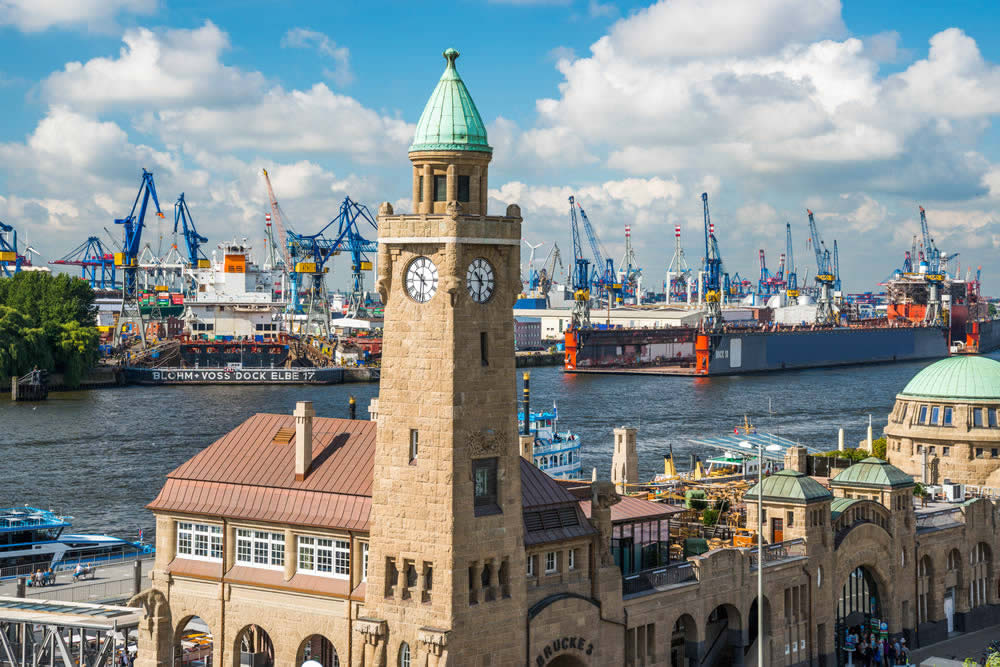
253,640
863,597
566,660
980,575
723,636
192,639
926,602
318,648
682,642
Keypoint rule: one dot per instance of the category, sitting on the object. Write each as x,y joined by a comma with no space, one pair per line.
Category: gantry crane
278,217
824,274
97,263
603,278
581,276
678,271
127,259
791,276
10,259
309,254
629,273
192,239
548,271
836,267
712,281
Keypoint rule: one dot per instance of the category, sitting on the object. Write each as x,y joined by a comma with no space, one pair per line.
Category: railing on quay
114,559
98,591
657,577
774,553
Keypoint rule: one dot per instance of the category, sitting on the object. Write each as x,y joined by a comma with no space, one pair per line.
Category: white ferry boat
33,539
557,454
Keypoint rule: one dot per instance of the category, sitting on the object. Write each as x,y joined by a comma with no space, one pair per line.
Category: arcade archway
192,643
859,608
254,647
723,637
318,649
566,661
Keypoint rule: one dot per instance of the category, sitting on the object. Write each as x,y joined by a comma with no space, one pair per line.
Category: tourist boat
557,454
33,539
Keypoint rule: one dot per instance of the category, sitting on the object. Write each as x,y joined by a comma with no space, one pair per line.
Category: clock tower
446,572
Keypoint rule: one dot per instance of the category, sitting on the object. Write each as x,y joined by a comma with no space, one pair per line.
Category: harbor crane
604,277
548,272
791,276
712,281
97,263
931,254
10,259
192,239
309,254
278,217
127,259
836,267
629,273
935,272
824,274
580,318
678,272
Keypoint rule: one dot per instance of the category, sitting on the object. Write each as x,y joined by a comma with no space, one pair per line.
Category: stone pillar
483,196
451,188
427,205
229,557
474,192
291,554
796,459
625,460
415,205
526,443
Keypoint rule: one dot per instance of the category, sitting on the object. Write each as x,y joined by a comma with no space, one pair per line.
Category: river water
102,455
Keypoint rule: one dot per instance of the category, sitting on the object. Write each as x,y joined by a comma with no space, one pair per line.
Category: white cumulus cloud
98,15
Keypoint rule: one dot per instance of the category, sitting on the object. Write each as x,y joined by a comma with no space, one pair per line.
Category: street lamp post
760,541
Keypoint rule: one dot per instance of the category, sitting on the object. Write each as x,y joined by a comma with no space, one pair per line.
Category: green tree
879,448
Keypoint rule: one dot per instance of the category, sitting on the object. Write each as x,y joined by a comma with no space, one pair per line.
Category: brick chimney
304,414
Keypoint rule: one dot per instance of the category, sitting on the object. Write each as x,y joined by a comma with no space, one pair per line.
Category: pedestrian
892,652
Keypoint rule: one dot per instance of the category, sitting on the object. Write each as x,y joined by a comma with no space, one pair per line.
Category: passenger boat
555,453
33,539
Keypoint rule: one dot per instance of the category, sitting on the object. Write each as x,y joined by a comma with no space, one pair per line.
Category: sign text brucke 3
563,644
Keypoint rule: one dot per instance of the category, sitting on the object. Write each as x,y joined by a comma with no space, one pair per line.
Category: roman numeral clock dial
480,280
421,279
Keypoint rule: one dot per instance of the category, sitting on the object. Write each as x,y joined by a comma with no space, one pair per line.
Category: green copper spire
450,121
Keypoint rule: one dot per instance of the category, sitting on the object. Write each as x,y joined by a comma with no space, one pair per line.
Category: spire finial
451,55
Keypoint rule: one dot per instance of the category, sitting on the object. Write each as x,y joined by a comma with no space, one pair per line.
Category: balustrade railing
780,551
657,577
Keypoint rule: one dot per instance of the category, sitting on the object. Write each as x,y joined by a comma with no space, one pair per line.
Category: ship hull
683,351
780,350
989,336
167,376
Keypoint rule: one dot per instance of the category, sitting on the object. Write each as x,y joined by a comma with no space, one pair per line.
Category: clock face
421,279
480,280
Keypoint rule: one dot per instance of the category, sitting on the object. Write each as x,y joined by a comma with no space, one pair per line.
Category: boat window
977,417
922,418
935,413
947,416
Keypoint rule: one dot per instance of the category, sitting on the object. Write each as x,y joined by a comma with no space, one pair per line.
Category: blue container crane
309,254
10,259
714,281
581,275
97,263
127,259
603,279
836,267
192,239
931,254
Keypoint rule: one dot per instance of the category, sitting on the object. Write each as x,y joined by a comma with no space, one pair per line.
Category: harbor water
101,455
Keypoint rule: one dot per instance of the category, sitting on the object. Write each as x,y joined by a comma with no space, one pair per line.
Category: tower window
420,189
483,348
947,416
935,412
440,188
977,418
463,188
484,478
414,445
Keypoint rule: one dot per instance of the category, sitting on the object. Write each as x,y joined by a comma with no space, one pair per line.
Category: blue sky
861,111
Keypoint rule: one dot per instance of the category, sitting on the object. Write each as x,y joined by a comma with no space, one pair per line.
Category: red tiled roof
245,475
631,509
